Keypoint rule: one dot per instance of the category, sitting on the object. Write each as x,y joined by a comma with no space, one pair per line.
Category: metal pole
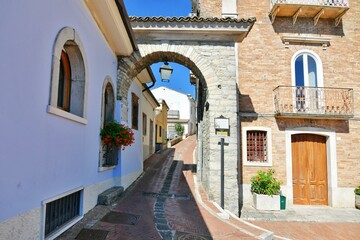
222,173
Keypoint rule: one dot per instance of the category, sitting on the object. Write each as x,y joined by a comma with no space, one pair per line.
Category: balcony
173,114
313,102
315,9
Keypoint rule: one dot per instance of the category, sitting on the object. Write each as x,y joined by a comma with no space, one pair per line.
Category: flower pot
266,202
357,201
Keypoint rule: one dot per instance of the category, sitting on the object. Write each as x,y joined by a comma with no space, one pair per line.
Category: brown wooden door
309,169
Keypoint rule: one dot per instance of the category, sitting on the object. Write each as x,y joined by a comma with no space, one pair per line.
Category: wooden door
309,169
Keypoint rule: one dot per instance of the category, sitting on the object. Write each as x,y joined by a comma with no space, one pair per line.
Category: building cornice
191,28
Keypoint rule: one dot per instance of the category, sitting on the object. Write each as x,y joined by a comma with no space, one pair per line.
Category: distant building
182,110
161,123
149,104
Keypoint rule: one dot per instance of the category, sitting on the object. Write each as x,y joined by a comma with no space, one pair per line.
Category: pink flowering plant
265,183
116,135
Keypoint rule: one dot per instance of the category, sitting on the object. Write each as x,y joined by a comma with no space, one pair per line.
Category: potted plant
357,197
113,137
266,190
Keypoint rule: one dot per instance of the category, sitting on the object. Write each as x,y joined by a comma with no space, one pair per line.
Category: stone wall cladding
217,64
265,63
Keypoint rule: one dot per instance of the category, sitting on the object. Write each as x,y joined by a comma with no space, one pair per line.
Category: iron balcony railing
313,102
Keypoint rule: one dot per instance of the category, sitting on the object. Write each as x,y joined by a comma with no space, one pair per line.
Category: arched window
108,103
307,81
307,69
108,156
68,95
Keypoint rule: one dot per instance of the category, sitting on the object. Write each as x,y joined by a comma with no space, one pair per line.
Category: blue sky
167,8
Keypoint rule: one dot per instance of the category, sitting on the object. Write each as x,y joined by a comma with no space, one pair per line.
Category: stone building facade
273,100
207,46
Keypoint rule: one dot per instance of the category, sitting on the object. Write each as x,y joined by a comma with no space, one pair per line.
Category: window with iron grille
61,211
256,146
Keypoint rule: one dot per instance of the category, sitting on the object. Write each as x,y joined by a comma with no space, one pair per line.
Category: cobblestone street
167,203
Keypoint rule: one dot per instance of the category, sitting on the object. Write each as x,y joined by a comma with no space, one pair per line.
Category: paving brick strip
161,221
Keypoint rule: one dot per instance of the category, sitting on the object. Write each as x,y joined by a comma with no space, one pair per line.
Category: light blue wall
43,155
131,157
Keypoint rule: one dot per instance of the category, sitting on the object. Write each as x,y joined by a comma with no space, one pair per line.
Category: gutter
126,20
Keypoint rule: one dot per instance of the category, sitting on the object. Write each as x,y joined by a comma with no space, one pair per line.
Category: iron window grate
61,211
257,146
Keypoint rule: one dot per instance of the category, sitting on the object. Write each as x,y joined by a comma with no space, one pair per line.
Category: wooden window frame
134,111
63,101
144,126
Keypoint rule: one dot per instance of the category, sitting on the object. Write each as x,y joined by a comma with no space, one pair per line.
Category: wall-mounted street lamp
165,72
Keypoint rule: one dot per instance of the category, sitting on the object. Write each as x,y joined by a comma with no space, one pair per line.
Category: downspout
152,79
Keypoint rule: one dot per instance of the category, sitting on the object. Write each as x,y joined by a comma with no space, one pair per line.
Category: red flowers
116,134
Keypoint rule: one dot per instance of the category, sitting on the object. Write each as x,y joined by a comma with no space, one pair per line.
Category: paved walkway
166,202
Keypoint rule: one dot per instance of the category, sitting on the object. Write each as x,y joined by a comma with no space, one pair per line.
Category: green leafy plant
116,134
357,190
179,129
265,183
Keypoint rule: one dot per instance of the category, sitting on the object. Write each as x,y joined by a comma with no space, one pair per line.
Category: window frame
134,111
144,124
65,72
106,86
245,130
68,39
319,67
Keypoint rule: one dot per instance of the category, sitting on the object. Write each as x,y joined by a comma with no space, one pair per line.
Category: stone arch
130,67
215,65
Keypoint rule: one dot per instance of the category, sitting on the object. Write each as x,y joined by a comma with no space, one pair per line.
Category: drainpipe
152,79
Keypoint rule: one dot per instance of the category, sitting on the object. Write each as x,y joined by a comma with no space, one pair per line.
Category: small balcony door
307,77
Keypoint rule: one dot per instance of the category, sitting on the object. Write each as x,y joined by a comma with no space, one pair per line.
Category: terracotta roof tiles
192,19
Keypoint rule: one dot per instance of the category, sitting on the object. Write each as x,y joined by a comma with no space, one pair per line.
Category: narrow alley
166,203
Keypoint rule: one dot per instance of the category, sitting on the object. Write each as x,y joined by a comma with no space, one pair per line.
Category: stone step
110,196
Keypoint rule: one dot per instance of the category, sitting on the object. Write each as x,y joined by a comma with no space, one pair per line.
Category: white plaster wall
28,222
92,192
149,110
175,100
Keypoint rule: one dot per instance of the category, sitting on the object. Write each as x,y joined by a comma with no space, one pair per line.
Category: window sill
61,113
102,169
249,164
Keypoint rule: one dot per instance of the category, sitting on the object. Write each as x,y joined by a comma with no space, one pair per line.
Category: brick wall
210,8
265,63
